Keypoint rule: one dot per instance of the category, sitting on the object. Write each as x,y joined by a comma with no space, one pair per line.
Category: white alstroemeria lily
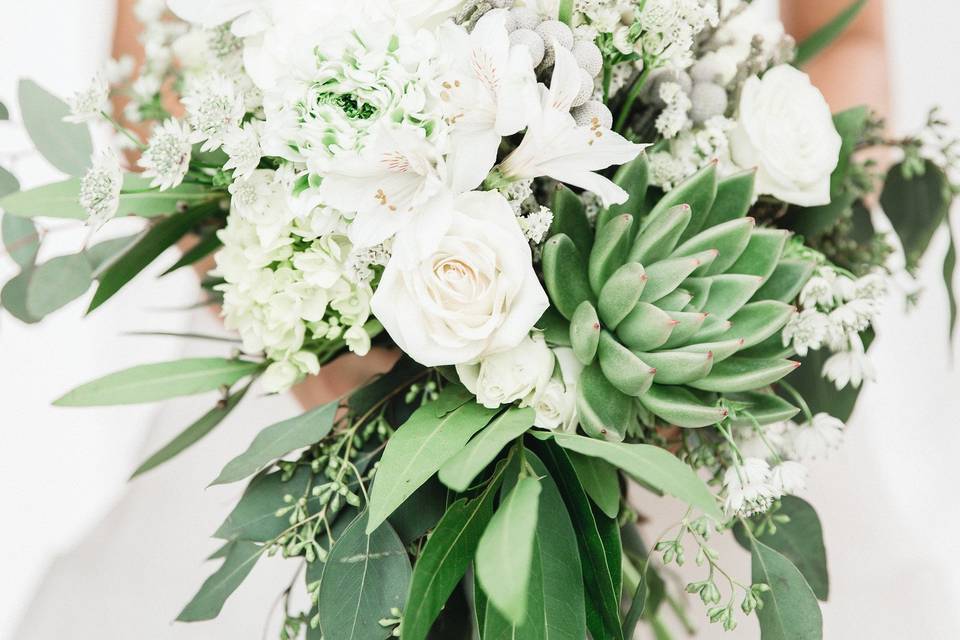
556,146
418,13
397,181
488,92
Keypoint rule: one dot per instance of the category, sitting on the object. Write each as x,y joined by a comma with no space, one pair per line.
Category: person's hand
342,376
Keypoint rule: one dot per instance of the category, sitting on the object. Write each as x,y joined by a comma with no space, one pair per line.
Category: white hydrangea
167,156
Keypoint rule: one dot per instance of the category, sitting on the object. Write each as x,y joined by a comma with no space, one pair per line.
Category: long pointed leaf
824,37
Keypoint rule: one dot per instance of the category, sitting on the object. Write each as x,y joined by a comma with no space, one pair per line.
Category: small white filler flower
167,156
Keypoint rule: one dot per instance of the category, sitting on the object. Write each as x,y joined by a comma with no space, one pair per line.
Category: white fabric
887,500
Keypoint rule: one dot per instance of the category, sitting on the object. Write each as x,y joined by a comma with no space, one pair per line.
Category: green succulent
675,305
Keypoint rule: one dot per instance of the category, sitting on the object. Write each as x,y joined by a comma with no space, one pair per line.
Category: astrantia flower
555,146
789,477
748,488
487,93
851,366
100,190
814,440
88,104
242,146
819,290
214,109
167,156
768,443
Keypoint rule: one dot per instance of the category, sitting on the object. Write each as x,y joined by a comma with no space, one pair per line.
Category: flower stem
632,98
122,129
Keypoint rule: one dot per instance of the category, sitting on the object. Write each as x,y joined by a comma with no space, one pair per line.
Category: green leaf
505,552
4,112
824,37
21,240
420,512
158,239
65,145
255,517
239,561
8,183
62,199
637,606
603,598
13,297
565,275
159,381
194,433
916,205
790,610
600,480
207,245
555,607
555,328
418,449
678,406
103,253
745,374
800,541
365,577
585,332
610,250
565,12
734,197
604,410
278,440
445,559
58,282
764,408
652,465
403,374
634,178
459,471
621,293
570,218
949,274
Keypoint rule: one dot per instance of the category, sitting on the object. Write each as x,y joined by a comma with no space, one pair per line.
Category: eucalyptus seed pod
672,304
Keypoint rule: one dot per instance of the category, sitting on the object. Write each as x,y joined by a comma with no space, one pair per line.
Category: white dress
887,500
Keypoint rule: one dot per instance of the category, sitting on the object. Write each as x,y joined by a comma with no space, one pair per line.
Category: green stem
789,388
632,97
122,129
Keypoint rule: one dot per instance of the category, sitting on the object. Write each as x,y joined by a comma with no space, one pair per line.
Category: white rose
786,131
556,406
521,373
474,294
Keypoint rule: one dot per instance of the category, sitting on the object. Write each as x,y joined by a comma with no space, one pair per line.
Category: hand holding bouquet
616,242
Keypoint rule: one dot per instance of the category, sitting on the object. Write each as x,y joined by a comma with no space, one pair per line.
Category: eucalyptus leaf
790,610
4,112
556,601
237,565
445,558
800,541
254,518
278,440
648,464
58,282
460,470
67,146
13,297
21,240
8,183
159,381
505,552
364,578
194,433
419,448
420,512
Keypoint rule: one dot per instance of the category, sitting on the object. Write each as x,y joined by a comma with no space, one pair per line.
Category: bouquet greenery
615,243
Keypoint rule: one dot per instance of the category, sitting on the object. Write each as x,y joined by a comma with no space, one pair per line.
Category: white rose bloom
473,295
786,131
556,407
522,373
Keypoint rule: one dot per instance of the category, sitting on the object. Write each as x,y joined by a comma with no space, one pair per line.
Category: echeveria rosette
675,306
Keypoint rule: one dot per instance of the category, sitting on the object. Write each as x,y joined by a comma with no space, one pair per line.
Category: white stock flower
555,146
748,488
397,181
486,94
789,477
518,374
816,439
474,294
556,406
786,131
167,156
100,190
88,104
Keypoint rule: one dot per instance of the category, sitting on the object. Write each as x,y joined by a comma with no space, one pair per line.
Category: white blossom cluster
834,310
356,139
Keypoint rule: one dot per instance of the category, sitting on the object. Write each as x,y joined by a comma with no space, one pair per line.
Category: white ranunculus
473,294
522,373
556,406
786,131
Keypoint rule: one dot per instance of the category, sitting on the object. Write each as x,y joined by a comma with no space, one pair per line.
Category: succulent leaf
604,411
634,178
744,374
729,292
697,191
661,234
688,324
555,328
679,406
728,240
678,367
585,332
758,321
565,274
621,293
734,197
765,408
570,218
624,369
646,327
786,281
721,349
762,254
610,250
667,275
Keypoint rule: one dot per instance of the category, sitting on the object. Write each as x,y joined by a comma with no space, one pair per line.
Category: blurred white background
887,500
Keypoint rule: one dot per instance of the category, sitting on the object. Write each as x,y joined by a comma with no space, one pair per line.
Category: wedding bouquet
616,243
